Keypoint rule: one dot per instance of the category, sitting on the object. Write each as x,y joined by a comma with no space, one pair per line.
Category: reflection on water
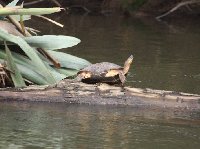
72,126
166,56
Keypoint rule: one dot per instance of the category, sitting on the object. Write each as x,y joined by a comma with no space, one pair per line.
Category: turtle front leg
122,78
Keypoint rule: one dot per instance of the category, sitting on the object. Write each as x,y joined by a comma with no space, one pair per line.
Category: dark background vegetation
126,7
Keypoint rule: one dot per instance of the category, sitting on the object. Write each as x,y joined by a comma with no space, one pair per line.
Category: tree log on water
69,91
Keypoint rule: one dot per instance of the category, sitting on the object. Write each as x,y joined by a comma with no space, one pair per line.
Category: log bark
69,91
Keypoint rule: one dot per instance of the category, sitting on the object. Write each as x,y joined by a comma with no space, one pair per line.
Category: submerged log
69,91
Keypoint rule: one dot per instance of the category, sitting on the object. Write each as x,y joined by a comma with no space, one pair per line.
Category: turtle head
127,64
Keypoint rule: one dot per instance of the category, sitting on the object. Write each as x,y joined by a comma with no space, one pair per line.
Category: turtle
105,72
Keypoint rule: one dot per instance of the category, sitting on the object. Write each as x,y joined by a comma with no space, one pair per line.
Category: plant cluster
27,59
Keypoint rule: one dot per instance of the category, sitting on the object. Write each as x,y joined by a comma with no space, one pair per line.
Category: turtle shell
101,72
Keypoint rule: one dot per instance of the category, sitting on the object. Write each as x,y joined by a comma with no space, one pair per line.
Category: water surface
166,55
31,126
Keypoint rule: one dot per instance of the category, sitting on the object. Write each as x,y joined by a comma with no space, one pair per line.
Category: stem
22,25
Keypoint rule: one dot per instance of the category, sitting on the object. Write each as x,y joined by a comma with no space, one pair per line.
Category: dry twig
181,4
50,20
38,1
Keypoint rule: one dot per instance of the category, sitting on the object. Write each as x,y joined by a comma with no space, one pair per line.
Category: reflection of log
75,92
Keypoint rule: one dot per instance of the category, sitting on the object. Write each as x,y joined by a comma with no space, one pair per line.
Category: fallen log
69,91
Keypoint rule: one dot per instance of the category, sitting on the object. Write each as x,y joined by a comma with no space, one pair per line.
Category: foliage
132,5
30,64
15,75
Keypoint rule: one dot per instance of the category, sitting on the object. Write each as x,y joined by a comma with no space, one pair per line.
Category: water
166,55
31,126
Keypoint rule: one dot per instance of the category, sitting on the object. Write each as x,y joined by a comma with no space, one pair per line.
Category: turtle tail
127,64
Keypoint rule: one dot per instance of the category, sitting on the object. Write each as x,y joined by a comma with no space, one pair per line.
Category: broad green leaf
69,61
52,42
66,71
13,3
16,76
30,52
2,54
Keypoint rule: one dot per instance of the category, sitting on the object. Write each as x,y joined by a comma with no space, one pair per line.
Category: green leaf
52,42
28,11
67,72
69,61
17,17
29,65
16,76
26,69
32,75
58,76
13,3
29,71
30,52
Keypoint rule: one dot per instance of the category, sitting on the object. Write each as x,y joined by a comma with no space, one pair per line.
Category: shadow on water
37,125
166,56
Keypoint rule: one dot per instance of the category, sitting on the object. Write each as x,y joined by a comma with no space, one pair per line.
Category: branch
34,2
50,20
38,1
185,3
80,6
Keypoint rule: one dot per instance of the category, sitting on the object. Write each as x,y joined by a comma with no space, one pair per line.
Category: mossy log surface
68,91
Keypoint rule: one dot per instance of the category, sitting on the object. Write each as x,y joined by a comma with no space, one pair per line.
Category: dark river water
58,126
166,56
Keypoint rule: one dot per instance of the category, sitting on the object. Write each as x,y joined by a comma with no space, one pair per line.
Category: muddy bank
68,91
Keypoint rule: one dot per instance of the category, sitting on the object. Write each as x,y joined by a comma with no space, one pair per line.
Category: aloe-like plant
40,62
